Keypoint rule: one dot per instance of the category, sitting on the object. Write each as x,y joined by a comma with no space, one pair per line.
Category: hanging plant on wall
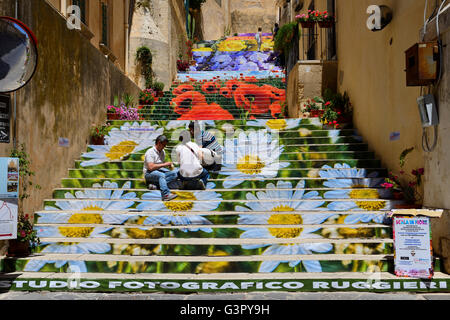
145,58
283,39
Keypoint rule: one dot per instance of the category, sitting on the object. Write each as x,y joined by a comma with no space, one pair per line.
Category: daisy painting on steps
361,189
84,203
278,201
120,143
251,156
181,207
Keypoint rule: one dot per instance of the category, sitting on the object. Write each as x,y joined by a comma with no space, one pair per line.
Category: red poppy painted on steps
211,87
207,112
254,99
186,101
277,94
182,89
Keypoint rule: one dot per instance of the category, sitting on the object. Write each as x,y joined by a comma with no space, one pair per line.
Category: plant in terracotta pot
308,20
314,107
97,134
325,20
27,238
329,116
147,97
158,87
406,186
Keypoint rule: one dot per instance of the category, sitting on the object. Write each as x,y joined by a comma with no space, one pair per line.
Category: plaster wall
70,90
162,30
437,162
371,69
215,19
248,15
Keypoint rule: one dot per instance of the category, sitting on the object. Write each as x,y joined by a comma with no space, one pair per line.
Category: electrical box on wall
428,111
422,63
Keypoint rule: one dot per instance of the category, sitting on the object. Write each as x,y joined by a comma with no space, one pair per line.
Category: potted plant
314,107
308,20
97,135
325,20
26,238
112,113
329,116
158,87
182,65
147,97
406,188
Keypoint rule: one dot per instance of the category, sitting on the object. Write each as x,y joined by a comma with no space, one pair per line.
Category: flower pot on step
18,248
307,24
326,24
113,116
98,141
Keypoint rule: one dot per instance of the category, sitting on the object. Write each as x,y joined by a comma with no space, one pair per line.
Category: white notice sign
8,219
412,242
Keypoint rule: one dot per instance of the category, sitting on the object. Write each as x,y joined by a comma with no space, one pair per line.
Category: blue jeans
161,179
204,176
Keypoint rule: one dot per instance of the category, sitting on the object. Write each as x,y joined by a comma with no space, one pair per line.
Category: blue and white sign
9,194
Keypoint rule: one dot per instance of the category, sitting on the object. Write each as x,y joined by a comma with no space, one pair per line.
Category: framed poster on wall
9,194
413,250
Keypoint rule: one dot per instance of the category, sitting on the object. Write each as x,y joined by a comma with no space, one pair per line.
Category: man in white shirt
190,156
156,170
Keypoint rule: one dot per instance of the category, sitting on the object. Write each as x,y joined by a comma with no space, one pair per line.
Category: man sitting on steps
156,170
190,156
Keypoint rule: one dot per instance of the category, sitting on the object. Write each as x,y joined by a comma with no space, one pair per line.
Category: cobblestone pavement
238,296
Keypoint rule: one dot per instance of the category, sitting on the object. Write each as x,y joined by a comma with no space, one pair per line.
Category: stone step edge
231,163
223,200
218,190
291,145
216,241
212,179
128,258
218,276
212,226
206,213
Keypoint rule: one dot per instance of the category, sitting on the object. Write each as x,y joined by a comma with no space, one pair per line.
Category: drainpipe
127,26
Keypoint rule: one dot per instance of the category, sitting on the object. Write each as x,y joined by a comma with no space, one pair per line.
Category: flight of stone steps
297,198
295,201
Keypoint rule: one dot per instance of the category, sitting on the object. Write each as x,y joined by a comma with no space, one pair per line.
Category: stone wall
161,29
437,162
371,70
215,19
69,92
248,15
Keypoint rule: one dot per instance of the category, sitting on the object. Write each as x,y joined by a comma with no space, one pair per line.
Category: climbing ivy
24,171
144,56
283,39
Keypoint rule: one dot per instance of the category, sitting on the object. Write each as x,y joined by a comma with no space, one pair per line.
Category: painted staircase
296,206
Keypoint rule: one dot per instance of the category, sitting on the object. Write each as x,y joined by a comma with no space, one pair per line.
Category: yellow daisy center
82,218
151,233
276,124
367,194
303,132
124,148
250,164
186,203
280,219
